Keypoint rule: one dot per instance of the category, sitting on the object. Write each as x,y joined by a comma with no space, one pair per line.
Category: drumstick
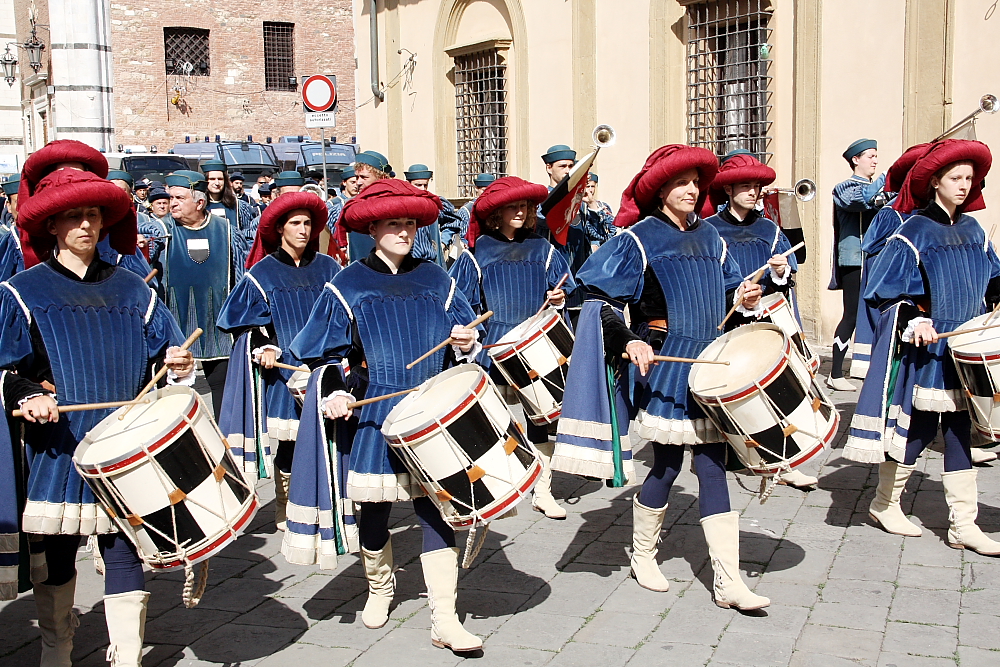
965,331
758,274
449,340
366,401
289,367
150,276
558,286
82,407
684,360
159,374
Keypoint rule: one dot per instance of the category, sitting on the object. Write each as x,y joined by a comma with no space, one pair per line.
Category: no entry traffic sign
319,101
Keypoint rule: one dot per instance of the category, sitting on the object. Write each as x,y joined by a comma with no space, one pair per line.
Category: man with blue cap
480,182
135,262
855,203
140,195
598,219
236,183
349,187
434,242
222,200
200,261
9,214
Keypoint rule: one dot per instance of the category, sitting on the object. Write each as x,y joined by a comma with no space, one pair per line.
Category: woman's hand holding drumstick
751,291
450,340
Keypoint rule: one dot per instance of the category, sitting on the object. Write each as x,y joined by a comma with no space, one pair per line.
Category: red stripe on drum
752,389
820,446
210,550
507,502
444,421
974,359
139,455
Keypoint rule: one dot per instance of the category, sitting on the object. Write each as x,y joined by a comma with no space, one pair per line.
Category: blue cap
417,171
11,184
483,180
185,178
264,188
156,192
859,147
288,178
734,153
592,176
236,176
559,152
214,165
373,159
119,175
346,173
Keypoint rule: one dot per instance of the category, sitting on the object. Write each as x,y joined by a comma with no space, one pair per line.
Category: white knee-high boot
125,614
646,525
543,501
57,622
381,586
962,494
884,509
441,576
722,532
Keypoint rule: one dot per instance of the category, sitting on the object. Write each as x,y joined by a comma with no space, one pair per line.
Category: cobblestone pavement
558,593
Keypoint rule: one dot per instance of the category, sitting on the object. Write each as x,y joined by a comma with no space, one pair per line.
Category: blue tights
122,566
373,525
957,429
710,465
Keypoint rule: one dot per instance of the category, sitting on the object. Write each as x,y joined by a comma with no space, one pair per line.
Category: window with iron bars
480,116
728,76
185,51
279,55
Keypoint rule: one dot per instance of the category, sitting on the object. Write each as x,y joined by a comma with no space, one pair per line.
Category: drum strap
194,590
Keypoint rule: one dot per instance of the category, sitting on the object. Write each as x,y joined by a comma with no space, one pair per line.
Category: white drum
534,358
977,360
165,476
298,384
780,313
457,437
766,402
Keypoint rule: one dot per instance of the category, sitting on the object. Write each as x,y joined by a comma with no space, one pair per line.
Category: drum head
433,400
113,438
752,352
520,332
977,342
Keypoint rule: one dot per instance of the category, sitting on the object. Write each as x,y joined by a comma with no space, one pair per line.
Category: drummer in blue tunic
675,273
285,275
388,308
935,271
752,239
512,271
75,326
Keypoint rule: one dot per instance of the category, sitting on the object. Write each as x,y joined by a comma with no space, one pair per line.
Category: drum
766,402
457,437
977,360
165,476
298,384
780,313
534,358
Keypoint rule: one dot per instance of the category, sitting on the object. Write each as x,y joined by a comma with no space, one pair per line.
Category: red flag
772,207
563,203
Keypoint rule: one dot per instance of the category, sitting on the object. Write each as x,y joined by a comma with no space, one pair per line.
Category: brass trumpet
987,104
604,136
804,190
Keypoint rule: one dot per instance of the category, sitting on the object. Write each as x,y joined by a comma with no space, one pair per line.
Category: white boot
646,525
962,495
441,576
57,622
281,481
840,384
125,614
543,501
722,532
981,456
381,586
884,509
796,479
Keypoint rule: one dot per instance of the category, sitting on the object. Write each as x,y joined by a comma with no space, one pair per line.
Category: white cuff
41,393
337,393
911,327
780,280
185,381
471,355
757,312
257,351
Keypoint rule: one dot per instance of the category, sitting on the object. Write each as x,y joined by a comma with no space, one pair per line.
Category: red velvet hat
740,167
896,175
268,239
386,199
499,193
70,188
641,195
41,162
915,193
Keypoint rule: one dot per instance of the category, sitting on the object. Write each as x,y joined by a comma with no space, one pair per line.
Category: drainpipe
373,43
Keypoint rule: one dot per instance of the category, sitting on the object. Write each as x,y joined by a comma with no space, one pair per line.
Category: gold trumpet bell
604,136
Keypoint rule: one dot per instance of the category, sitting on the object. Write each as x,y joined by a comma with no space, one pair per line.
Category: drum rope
474,546
194,590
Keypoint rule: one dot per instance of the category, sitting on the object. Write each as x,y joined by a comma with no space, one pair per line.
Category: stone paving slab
844,593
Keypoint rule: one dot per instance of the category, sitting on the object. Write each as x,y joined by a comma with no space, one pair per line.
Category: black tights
215,376
373,525
60,557
850,281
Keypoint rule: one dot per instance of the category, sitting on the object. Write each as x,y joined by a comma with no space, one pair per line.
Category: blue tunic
99,338
397,318
431,240
752,245
852,213
510,278
201,265
280,297
695,271
949,265
11,257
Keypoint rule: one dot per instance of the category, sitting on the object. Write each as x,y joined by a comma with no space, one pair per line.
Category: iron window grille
279,56
480,116
185,51
728,76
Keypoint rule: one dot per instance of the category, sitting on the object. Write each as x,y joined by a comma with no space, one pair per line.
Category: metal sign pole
326,184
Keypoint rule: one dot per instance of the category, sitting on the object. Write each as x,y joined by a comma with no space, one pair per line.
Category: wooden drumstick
684,360
81,407
965,331
289,367
562,281
366,401
449,340
150,276
758,274
159,374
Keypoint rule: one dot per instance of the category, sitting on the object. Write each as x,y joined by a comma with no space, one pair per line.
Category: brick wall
231,102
